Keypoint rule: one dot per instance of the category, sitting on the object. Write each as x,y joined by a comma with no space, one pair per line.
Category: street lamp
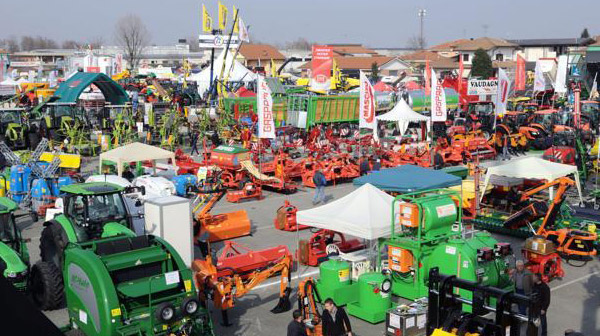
422,13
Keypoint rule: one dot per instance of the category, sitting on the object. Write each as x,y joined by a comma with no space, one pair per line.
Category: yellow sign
236,29
344,274
222,16
206,20
188,285
115,312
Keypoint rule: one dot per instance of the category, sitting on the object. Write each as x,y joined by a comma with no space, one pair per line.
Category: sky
374,23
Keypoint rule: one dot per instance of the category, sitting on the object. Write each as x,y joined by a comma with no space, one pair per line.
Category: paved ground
575,298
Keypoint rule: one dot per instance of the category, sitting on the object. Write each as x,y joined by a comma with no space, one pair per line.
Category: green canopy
69,91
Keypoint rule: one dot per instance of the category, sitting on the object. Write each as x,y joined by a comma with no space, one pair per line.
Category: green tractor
131,286
13,129
14,255
91,211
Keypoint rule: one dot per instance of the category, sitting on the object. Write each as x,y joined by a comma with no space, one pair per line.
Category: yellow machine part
440,332
468,191
72,161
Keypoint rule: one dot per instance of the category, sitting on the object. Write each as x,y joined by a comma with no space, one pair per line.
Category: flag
264,106
243,31
520,74
502,92
1,69
273,67
367,103
222,16
427,79
438,99
594,90
206,20
461,69
539,83
236,27
560,84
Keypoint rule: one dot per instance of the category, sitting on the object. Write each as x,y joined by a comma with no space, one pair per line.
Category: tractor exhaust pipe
284,303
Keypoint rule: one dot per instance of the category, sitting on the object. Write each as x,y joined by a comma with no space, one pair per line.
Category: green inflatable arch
69,91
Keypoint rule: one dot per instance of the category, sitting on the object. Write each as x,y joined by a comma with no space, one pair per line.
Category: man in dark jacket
335,320
543,292
320,181
364,166
296,327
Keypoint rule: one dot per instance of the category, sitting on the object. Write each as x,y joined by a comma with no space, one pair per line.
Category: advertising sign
482,87
322,62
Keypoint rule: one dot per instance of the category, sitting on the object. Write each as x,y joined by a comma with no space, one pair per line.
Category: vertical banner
1,69
427,78
461,69
206,21
264,107
539,83
560,84
119,60
222,17
438,99
322,61
367,103
502,92
520,75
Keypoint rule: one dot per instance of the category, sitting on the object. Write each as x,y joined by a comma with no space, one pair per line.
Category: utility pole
422,13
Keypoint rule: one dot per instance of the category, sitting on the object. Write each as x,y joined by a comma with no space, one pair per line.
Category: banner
594,91
243,31
222,17
1,70
438,99
206,20
560,84
236,27
502,92
539,83
264,107
461,69
119,61
322,62
366,108
482,87
427,79
520,75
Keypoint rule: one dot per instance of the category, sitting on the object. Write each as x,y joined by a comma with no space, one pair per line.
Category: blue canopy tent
408,178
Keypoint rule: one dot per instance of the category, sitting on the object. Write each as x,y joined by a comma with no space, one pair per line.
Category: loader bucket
284,303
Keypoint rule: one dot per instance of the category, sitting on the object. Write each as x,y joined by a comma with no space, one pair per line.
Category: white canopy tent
238,72
535,168
365,213
403,114
135,152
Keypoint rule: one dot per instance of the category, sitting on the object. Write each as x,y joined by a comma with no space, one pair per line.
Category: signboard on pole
520,74
482,87
560,85
264,105
438,99
322,62
218,41
367,103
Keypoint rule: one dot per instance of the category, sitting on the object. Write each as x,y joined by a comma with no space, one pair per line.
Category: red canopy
383,87
244,92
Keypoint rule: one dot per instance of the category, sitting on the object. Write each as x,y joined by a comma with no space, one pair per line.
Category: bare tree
96,42
299,44
415,42
133,37
37,42
70,44
11,44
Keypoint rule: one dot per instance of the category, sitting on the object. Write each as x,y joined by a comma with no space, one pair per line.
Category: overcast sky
375,23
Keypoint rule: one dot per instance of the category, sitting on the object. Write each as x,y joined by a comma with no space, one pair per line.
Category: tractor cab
13,128
514,119
14,256
517,103
482,112
60,118
95,210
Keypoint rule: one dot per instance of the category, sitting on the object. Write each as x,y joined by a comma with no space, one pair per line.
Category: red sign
520,74
427,79
322,62
93,69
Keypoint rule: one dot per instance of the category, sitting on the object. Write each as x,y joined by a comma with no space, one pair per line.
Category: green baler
427,233
14,255
131,286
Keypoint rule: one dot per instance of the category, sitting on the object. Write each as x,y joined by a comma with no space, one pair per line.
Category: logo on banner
369,104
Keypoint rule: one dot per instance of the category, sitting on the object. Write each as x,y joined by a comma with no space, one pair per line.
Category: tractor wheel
52,244
47,286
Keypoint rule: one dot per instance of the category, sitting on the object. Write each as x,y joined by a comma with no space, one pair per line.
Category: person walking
523,281
364,166
195,136
320,181
296,327
335,320
543,291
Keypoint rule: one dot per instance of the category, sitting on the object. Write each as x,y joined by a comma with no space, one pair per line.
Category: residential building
356,50
260,56
391,52
41,59
498,49
534,49
448,49
351,66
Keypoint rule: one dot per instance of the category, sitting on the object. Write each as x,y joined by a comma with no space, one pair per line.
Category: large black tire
52,244
47,286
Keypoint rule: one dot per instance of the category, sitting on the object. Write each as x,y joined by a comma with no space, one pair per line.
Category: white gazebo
403,114
135,152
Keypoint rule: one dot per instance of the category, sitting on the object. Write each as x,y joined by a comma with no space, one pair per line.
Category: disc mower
212,228
314,250
286,218
131,286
